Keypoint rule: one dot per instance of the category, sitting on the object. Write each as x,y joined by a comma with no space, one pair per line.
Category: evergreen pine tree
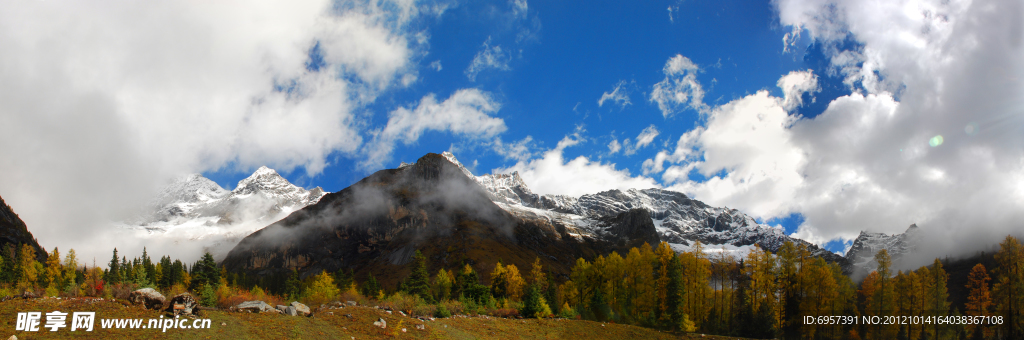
113,273
531,302
418,282
293,287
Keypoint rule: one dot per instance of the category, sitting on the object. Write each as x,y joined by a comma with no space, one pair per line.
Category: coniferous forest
789,295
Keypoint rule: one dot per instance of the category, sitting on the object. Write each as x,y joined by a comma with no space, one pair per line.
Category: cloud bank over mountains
105,102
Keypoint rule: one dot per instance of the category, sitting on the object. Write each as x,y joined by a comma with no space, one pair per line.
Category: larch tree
27,269
978,298
1009,287
54,271
664,254
70,273
937,297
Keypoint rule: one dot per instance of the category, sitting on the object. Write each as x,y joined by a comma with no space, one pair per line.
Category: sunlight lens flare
935,141
971,129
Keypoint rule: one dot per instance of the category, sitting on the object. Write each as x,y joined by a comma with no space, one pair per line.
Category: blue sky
571,54
819,116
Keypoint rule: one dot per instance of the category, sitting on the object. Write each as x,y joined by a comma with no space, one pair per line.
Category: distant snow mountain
862,253
679,220
194,208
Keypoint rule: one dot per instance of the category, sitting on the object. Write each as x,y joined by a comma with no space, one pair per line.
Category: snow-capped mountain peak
678,219
198,208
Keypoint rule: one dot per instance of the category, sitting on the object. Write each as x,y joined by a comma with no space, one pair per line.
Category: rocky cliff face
14,233
861,255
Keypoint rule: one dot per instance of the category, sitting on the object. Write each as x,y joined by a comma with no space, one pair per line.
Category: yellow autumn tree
821,290
664,254
53,273
443,285
514,283
27,268
1009,286
978,298
322,290
697,291
642,295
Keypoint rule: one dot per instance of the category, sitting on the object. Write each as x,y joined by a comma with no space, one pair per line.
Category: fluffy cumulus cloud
489,57
874,159
467,112
794,85
552,174
680,88
103,102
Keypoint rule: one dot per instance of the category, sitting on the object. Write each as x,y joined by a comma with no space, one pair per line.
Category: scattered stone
255,306
13,338
389,312
291,311
184,303
223,323
330,313
380,323
401,312
300,308
349,316
148,297
350,303
403,330
28,295
421,327
282,308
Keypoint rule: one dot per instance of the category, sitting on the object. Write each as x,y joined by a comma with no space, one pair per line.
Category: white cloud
552,174
466,113
436,65
925,69
794,85
619,95
680,88
646,136
519,150
519,8
614,146
749,139
119,96
489,57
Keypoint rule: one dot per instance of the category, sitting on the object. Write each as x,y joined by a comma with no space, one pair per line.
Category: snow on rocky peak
862,253
193,207
679,220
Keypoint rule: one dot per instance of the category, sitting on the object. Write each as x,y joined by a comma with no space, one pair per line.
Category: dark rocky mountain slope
375,226
14,233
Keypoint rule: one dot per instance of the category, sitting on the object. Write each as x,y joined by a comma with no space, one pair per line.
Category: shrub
505,313
424,310
322,290
453,307
567,312
402,302
121,290
442,312
207,296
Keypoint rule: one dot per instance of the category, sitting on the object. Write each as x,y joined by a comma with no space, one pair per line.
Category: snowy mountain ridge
678,219
195,209
862,253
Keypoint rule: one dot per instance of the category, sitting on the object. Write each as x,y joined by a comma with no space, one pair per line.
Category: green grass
326,324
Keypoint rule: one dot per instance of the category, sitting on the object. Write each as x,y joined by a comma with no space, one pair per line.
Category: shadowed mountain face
14,233
375,226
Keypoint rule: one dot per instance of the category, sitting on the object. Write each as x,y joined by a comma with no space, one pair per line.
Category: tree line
760,295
